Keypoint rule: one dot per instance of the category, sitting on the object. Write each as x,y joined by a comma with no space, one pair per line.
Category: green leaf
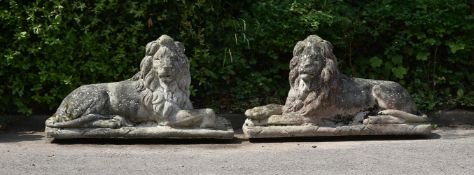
375,62
423,56
460,93
21,35
399,72
430,41
455,46
397,59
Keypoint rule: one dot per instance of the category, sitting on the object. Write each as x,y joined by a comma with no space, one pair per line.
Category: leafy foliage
239,51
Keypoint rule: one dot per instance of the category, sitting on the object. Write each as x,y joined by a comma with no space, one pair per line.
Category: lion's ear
299,47
180,46
327,74
330,45
148,48
145,66
151,48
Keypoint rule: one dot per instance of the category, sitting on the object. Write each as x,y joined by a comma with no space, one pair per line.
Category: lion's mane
300,100
148,78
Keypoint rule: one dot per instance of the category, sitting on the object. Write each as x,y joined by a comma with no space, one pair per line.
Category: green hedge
239,51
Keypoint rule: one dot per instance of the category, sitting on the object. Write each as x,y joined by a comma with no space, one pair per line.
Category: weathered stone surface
156,97
254,131
322,101
223,130
261,112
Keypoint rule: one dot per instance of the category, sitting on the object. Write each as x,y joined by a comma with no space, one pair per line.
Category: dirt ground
446,151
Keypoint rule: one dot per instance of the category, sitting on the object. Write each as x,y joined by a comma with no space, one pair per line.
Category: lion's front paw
209,120
121,121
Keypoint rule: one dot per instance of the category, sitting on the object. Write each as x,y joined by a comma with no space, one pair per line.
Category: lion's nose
306,63
167,68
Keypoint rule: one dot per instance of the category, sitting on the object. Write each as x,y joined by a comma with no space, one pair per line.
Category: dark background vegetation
239,50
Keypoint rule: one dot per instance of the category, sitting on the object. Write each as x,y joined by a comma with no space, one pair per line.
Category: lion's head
313,70
165,70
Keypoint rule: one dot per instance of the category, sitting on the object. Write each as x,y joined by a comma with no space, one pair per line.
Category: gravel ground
447,151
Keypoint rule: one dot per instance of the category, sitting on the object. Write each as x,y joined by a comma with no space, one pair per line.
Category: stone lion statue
157,95
320,94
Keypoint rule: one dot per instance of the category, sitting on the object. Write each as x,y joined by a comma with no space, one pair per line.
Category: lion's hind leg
391,95
383,119
394,116
409,118
92,121
80,107
80,122
394,104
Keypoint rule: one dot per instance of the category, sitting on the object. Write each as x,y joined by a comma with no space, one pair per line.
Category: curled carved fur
141,98
318,90
323,81
149,80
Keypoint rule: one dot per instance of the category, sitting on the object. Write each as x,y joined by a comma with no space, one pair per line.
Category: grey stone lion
157,95
320,94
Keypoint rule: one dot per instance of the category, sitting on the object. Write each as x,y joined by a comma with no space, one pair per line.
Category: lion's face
310,66
165,67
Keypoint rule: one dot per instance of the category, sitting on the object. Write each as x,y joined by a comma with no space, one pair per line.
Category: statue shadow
23,128
11,137
145,141
345,138
237,139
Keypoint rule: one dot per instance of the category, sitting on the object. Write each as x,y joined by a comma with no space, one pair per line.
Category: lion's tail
75,123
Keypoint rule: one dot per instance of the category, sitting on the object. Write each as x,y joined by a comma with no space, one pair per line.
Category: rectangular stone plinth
222,131
351,130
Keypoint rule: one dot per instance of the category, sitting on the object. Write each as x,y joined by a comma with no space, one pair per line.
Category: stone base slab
252,131
223,131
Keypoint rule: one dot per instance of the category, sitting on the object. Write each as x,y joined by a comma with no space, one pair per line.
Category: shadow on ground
145,141
22,136
344,138
7,137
